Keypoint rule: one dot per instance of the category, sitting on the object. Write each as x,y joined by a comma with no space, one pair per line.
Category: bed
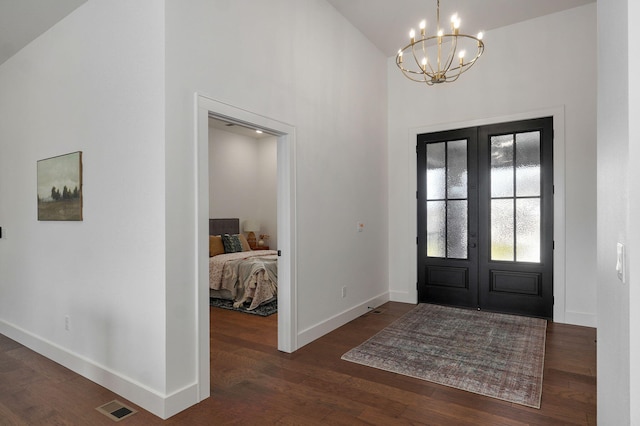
236,272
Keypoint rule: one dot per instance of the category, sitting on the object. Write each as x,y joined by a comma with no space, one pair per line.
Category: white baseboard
180,400
312,333
160,405
580,318
403,296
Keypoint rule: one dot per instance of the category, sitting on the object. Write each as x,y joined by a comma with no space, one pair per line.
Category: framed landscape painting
60,187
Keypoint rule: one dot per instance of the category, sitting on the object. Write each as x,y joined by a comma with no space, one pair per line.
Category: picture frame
60,188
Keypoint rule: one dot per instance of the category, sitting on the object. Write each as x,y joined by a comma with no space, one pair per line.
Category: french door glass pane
502,244
457,169
447,215
436,228
528,230
528,164
502,166
515,232
457,229
436,171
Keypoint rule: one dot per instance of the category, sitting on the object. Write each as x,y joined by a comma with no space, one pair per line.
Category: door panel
485,217
516,217
447,198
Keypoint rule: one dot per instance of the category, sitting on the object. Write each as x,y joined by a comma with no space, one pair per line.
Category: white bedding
242,276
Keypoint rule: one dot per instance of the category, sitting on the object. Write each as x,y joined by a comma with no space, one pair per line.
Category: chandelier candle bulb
423,28
399,56
412,36
455,22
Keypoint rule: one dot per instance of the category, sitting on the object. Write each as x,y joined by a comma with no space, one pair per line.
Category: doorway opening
243,201
485,217
286,225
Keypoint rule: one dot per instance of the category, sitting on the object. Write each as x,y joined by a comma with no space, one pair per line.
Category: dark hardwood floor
253,383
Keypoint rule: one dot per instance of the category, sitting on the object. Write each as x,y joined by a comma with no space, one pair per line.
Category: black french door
485,217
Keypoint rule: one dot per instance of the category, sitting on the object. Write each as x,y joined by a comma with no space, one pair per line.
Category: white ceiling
386,23
238,128
22,21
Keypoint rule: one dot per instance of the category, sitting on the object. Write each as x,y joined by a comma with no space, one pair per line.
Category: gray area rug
263,310
496,355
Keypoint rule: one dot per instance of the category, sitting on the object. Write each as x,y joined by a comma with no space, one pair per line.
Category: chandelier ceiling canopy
440,58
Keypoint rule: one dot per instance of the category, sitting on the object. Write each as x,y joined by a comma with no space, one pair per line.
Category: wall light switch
620,264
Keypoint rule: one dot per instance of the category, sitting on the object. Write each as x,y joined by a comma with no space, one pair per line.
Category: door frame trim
559,219
286,218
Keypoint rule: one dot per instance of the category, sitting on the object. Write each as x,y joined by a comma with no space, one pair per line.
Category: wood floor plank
253,383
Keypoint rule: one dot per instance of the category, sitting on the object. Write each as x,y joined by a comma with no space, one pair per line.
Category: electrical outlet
344,292
67,322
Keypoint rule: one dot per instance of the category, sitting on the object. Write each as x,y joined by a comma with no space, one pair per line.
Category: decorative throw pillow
244,242
231,243
215,245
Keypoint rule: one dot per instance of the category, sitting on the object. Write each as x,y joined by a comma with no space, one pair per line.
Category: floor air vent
116,410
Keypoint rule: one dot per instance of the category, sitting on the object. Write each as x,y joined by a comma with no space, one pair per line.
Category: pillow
215,245
231,243
244,242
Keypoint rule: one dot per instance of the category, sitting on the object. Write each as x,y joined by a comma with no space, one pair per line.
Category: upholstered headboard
224,226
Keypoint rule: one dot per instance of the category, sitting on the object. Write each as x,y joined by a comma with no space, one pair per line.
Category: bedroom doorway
286,225
485,217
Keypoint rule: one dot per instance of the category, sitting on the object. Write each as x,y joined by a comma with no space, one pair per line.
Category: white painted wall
117,80
523,70
242,180
267,190
633,255
618,210
213,48
94,83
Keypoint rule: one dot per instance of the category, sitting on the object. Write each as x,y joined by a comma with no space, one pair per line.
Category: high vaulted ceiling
386,23
22,21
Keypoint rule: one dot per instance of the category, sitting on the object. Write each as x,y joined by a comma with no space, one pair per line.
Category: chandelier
439,58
